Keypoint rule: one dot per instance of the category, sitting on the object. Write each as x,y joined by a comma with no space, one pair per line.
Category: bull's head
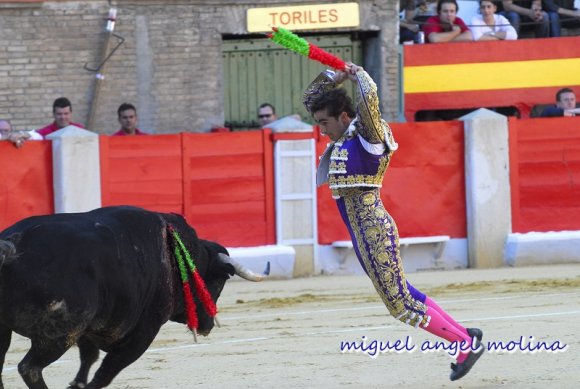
221,267
215,267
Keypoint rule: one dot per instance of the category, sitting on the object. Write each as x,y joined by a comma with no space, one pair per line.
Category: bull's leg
5,337
89,355
41,354
125,353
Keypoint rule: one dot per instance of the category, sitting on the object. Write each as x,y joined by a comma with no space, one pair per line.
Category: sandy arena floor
288,333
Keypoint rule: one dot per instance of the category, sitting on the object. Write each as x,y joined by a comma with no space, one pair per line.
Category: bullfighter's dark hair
335,101
125,107
61,102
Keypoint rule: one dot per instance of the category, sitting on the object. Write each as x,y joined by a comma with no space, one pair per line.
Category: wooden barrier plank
223,166
228,182
26,187
232,234
548,168
232,211
227,190
143,171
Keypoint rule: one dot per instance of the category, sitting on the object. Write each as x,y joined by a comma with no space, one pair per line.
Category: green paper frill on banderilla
301,46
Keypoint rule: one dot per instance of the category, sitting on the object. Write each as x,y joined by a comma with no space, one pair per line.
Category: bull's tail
7,252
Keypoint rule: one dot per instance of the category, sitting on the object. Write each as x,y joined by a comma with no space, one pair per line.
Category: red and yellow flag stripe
484,74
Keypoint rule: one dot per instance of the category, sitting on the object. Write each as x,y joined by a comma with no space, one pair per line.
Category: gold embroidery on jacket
337,182
337,167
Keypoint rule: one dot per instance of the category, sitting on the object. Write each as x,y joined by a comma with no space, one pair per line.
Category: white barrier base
341,259
542,248
281,259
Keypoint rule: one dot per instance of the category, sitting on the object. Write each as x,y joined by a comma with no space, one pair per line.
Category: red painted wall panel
144,171
229,186
545,174
26,185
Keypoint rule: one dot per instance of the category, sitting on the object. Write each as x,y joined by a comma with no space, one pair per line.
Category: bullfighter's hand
351,70
339,76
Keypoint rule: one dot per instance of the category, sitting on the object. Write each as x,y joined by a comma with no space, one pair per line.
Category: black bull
104,280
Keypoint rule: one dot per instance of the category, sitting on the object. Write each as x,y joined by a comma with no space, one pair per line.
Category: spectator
446,26
518,12
5,129
62,112
570,16
489,26
266,114
18,138
407,28
550,9
565,105
127,114
425,9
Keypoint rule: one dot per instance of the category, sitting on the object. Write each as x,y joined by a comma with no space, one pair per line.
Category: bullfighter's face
333,127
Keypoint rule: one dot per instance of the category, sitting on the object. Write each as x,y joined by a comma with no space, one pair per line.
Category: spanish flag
520,73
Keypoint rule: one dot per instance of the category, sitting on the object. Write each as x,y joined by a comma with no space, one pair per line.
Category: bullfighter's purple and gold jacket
361,156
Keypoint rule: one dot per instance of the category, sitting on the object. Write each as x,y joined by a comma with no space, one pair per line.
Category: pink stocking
440,327
432,304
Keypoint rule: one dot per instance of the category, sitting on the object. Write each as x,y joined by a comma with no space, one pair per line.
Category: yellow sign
304,17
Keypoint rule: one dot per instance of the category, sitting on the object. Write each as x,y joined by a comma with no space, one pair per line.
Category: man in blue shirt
565,105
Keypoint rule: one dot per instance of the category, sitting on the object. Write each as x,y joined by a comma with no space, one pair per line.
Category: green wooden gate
257,71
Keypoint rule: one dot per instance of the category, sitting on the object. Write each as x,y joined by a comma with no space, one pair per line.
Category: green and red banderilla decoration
301,46
186,266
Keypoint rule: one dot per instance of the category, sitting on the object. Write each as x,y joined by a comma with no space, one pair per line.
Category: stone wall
169,65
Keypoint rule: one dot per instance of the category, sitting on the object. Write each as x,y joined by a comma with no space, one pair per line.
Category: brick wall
169,65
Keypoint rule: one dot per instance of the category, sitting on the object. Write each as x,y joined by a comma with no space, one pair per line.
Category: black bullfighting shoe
458,370
475,332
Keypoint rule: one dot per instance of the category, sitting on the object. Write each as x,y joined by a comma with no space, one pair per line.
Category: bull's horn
243,272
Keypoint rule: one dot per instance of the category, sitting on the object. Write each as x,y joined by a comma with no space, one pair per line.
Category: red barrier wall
223,183
545,174
26,185
424,187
